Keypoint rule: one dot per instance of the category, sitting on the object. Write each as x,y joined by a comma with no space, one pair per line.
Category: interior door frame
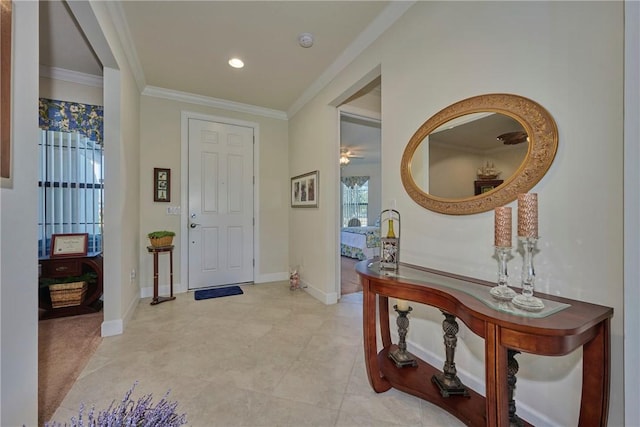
349,111
184,189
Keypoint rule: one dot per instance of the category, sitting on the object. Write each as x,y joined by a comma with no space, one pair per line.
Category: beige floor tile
392,408
269,357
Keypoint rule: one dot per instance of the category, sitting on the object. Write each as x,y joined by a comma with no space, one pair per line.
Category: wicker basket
67,294
161,242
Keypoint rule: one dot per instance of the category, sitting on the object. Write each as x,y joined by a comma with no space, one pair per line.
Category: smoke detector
305,39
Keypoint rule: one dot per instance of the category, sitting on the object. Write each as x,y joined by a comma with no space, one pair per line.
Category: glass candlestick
502,291
526,300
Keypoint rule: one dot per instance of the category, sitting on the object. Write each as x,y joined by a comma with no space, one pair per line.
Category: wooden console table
568,325
72,266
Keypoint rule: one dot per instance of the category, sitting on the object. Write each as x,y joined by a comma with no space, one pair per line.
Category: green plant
159,234
48,281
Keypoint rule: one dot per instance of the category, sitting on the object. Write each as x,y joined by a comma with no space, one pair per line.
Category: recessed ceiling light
236,63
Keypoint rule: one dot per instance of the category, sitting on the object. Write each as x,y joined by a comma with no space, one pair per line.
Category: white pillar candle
402,305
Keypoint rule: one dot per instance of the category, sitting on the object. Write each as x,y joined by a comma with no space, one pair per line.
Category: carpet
218,292
65,346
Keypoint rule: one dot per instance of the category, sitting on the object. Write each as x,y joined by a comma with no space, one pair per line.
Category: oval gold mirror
488,174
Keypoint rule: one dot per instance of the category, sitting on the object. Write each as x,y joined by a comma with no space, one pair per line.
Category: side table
155,251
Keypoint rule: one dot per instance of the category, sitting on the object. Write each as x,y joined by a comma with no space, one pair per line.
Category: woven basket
67,294
161,242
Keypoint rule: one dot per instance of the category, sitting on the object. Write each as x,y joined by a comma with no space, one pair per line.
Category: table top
563,316
160,249
56,258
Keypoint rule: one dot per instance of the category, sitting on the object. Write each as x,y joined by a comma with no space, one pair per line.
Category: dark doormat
218,292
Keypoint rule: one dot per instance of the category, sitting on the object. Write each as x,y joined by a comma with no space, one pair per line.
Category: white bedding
360,242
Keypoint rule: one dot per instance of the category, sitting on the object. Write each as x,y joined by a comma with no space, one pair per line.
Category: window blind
71,188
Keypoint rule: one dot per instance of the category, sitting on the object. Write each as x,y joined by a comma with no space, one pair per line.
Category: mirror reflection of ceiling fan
512,138
346,155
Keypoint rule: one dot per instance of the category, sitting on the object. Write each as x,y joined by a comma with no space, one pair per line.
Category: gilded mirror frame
543,144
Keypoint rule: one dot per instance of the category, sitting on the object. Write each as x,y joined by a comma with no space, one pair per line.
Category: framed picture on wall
161,185
305,190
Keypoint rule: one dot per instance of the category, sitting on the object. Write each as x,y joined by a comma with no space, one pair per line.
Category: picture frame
161,185
69,245
484,185
5,88
305,190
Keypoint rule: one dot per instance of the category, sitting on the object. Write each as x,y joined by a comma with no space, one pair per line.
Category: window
70,188
355,199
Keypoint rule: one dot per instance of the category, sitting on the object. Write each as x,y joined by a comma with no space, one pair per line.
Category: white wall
122,158
18,226
442,52
452,171
160,141
68,91
632,211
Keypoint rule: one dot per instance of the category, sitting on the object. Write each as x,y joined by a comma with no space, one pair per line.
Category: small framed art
305,190
69,245
161,185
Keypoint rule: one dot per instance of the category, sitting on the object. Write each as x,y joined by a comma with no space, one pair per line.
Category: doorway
220,202
360,182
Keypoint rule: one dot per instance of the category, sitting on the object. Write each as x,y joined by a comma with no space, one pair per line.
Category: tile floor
270,357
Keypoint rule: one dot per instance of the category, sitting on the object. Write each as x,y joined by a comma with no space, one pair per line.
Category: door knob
193,225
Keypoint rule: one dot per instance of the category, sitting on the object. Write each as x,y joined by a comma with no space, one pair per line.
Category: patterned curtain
352,181
64,116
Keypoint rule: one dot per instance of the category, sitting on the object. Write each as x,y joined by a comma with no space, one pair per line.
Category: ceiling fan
512,138
346,155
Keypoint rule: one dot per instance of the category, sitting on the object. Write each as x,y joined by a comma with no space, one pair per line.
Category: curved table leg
594,408
385,329
377,381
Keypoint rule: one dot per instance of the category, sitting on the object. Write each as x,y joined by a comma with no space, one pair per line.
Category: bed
360,242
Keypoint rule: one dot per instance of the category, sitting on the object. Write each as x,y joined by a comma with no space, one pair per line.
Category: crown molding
374,30
70,76
124,34
175,95
360,113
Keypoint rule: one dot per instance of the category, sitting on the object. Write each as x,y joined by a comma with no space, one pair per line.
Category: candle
502,229
528,215
402,305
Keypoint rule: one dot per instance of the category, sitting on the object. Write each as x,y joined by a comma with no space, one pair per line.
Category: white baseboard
116,327
272,277
147,292
111,328
324,297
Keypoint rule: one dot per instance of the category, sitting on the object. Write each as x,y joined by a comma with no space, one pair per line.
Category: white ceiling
185,45
476,132
361,138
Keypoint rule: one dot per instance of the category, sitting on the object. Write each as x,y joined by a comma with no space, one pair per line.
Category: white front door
220,204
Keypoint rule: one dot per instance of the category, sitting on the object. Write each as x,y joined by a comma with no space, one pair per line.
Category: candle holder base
449,386
403,358
502,293
528,303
